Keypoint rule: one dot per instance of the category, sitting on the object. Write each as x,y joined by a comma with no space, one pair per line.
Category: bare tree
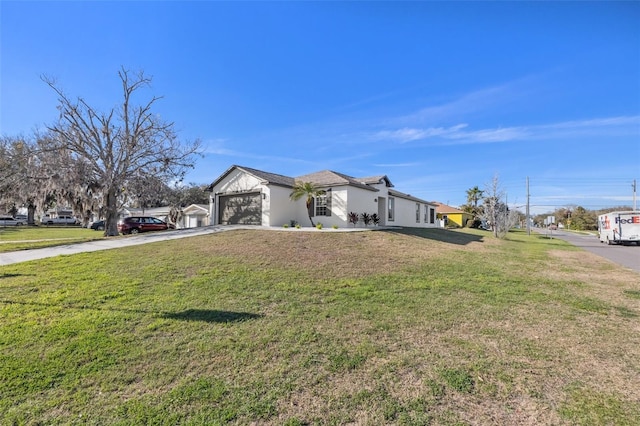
122,143
145,191
496,212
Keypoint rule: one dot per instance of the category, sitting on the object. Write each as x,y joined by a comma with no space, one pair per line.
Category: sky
439,96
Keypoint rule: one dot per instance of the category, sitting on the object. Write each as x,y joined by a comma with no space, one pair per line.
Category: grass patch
458,379
30,237
634,294
585,406
380,327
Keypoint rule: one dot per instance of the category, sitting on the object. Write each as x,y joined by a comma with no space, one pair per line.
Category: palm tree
473,196
308,190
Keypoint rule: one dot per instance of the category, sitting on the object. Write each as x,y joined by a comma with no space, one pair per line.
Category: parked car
136,224
6,220
97,225
60,220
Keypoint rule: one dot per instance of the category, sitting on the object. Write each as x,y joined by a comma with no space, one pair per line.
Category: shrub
354,218
366,218
375,219
335,226
286,225
297,226
318,225
473,223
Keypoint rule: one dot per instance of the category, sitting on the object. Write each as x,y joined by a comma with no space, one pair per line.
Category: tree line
489,206
96,162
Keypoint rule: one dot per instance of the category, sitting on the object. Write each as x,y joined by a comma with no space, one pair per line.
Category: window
417,212
426,213
392,203
323,204
432,215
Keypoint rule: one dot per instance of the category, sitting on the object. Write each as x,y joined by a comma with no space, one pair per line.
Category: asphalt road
628,256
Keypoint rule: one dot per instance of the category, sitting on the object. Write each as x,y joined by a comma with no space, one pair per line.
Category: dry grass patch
337,255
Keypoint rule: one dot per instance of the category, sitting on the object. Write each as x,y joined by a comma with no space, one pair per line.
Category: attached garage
240,209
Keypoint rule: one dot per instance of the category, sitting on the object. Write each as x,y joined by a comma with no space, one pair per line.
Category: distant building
451,216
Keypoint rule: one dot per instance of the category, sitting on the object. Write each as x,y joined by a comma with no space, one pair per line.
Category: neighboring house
195,216
159,212
451,216
242,195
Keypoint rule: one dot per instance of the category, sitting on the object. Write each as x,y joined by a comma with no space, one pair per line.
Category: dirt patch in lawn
338,255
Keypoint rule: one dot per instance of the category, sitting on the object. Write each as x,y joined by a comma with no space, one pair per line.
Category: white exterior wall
405,214
345,199
339,211
279,210
362,201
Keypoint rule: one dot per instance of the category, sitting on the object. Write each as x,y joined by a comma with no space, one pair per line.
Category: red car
136,224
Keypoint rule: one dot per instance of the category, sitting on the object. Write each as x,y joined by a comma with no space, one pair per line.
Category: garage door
245,209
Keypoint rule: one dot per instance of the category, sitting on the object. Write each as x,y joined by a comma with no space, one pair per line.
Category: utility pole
528,219
633,185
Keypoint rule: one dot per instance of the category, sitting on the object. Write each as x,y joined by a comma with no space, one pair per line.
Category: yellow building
452,216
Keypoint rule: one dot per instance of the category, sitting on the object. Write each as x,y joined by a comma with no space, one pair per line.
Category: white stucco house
243,195
195,216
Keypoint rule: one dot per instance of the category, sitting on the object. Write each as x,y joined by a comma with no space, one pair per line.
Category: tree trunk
31,213
111,220
309,213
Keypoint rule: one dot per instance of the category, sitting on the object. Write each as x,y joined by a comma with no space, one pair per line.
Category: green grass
29,237
412,327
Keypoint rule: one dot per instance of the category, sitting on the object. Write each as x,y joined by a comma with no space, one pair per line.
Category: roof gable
196,208
266,177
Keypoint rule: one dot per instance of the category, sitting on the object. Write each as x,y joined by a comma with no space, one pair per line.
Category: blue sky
439,96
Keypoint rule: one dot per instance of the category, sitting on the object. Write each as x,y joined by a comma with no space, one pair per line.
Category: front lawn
13,238
262,327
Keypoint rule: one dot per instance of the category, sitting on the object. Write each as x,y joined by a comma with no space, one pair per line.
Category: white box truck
619,227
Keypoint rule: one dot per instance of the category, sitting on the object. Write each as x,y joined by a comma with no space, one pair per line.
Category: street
628,256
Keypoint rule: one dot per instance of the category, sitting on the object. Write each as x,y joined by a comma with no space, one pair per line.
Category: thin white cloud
407,134
459,134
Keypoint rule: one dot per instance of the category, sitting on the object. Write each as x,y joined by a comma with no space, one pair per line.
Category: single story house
243,195
451,216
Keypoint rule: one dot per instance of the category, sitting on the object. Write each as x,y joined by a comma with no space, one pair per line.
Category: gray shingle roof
408,197
325,178
272,178
331,178
372,180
